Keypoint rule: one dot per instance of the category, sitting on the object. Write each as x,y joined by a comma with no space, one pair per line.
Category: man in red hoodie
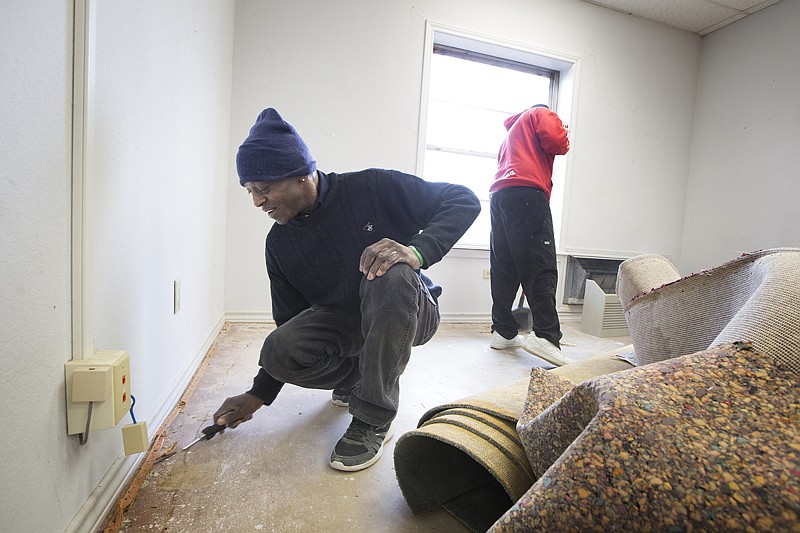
523,248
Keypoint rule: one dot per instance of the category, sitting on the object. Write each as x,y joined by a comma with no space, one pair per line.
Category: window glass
469,97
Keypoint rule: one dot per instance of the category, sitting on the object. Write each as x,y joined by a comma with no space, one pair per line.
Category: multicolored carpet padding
704,442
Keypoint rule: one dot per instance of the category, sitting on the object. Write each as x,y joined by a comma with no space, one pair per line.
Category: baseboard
566,314
92,515
94,512
248,316
466,318
264,317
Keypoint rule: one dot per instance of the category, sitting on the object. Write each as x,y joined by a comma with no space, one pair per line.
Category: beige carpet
753,298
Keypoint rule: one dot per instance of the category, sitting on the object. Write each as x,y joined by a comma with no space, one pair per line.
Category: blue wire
133,402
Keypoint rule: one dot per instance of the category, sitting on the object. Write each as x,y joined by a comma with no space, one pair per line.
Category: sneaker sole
338,465
340,403
505,347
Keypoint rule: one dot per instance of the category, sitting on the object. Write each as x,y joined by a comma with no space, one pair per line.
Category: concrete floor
272,475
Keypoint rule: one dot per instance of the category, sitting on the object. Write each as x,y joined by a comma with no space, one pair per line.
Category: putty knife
207,434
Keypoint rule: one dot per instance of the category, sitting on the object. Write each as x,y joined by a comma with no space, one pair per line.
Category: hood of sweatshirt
512,119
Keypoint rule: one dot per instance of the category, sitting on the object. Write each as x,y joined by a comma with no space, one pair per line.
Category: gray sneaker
340,397
361,446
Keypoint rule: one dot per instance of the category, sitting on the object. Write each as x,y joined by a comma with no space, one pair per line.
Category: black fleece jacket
314,259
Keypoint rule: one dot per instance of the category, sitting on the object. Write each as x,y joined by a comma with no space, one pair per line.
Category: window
472,89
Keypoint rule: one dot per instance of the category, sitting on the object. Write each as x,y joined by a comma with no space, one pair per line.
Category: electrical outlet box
107,413
134,438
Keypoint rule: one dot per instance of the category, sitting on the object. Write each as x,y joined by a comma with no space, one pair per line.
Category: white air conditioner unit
602,313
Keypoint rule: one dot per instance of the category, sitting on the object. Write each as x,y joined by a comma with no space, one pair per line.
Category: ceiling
697,16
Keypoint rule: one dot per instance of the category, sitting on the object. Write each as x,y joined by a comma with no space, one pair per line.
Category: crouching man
344,263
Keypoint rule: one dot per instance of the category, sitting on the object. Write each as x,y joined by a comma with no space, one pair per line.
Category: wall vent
579,269
602,313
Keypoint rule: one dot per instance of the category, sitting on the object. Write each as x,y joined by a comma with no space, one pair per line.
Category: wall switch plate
134,438
487,273
176,296
105,414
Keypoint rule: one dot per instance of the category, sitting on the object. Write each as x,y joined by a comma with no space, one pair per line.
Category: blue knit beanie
273,151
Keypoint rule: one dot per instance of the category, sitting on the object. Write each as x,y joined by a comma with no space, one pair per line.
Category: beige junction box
88,380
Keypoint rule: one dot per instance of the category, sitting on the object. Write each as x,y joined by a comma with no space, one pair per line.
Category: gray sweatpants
325,348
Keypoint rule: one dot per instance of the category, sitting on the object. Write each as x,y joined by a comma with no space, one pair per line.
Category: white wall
160,172
159,163
744,181
35,452
348,75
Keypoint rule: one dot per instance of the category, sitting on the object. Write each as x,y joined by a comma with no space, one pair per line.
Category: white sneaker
501,343
544,349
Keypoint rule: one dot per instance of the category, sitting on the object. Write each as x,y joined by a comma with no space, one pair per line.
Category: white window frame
564,101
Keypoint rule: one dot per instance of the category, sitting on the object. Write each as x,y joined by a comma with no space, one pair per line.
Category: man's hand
384,254
237,409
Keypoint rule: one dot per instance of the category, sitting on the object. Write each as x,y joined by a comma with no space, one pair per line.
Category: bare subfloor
272,475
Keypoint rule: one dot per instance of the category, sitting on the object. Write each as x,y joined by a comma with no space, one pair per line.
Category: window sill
469,252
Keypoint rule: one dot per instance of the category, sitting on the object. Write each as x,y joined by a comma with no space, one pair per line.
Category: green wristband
419,255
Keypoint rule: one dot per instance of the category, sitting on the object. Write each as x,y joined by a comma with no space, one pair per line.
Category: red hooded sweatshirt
535,136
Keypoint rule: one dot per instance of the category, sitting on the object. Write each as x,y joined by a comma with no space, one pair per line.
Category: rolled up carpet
466,456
